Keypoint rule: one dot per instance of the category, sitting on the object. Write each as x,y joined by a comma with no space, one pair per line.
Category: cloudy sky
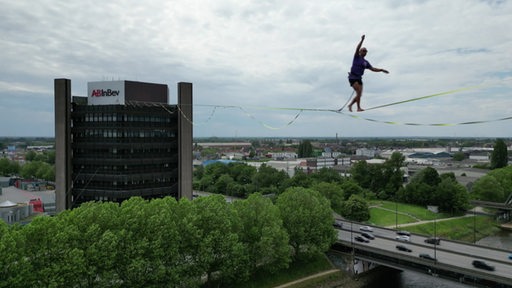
247,59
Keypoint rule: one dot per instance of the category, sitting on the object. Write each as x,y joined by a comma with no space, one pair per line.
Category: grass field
416,211
297,270
382,217
468,229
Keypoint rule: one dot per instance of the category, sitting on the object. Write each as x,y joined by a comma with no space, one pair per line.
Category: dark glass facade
119,151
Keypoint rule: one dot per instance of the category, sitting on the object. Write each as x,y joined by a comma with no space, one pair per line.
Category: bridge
453,259
494,205
504,210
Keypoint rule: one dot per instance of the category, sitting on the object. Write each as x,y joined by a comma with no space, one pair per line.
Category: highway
452,253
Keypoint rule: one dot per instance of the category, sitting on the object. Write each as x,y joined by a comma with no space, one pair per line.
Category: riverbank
507,226
339,278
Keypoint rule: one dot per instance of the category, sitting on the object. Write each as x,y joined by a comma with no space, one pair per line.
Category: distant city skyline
251,61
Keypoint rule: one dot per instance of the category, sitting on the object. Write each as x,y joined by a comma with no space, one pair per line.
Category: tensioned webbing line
339,110
301,110
361,118
424,97
245,112
432,124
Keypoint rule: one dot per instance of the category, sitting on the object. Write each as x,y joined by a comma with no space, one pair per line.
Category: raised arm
359,46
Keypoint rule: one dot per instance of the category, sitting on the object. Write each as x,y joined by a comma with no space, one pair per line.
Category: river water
408,279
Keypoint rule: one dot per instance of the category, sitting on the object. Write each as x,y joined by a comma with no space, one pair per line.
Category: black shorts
352,81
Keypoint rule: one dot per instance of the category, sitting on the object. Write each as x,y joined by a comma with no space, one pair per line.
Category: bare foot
360,109
350,108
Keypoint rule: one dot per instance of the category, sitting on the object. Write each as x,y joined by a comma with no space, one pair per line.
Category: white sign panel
106,93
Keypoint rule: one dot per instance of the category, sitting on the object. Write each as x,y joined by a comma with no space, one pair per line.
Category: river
408,279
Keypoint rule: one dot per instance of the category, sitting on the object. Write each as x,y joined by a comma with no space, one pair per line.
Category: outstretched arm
359,46
379,70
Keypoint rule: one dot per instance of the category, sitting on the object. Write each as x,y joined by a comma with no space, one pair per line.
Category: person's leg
360,92
358,88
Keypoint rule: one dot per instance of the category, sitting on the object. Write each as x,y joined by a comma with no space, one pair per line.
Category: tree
220,251
50,157
245,173
305,149
165,239
504,177
8,167
199,172
40,157
13,264
450,175
393,173
4,166
54,259
499,156
222,183
307,216
299,179
98,236
263,233
488,188
29,170
237,190
189,261
327,175
268,177
45,171
450,196
332,192
369,176
416,193
361,174
356,208
428,176
215,170
206,183
30,155
137,257
351,188
459,156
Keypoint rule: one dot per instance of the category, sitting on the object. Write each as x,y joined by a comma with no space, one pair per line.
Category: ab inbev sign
106,93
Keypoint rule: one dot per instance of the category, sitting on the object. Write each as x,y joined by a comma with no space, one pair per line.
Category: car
403,248
368,235
366,228
427,256
403,232
337,224
510,256
361,239
433,240
403,238
482,265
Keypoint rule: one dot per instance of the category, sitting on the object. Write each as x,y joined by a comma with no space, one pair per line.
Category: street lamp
396,215
351,238
474,225
435,237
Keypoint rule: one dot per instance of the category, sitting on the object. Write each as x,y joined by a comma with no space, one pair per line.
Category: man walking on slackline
355,77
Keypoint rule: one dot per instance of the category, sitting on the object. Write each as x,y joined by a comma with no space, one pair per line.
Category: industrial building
121,140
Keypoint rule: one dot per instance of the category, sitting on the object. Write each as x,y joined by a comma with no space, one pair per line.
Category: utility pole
396,214
474,225
435,237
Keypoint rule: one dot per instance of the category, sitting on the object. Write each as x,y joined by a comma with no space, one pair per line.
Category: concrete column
185,134
62,95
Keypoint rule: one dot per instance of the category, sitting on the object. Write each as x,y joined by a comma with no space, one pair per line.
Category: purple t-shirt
358,66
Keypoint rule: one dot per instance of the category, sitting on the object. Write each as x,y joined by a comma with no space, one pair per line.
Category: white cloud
270,53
